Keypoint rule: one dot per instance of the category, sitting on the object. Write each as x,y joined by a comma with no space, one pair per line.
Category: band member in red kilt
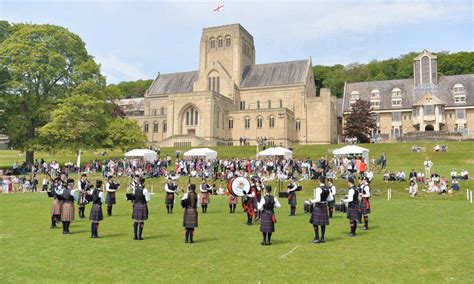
292,187
352,206
319,216
96,215
140,199
364,205
267,217
83,185
204,190
331,197
190,202
111,187
170,190
67,213
248,203
57,207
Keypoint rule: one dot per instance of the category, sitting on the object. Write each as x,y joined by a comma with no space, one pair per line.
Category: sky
137,39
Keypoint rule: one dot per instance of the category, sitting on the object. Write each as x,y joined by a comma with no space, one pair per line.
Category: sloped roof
173,83
446,84
132,104
271,74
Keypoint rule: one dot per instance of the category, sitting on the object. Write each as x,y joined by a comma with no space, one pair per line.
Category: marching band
257,201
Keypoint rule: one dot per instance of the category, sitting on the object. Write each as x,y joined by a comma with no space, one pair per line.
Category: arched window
247,122
396,97
162,110
228,41
459,93
155,127
213,42
271,121
231,123
298,125
165,126
220,42
145,127
425,70
258,104
214,83
269,104
191,116
259,122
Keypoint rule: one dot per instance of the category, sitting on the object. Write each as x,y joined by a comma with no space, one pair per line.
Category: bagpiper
190,202
364,204
331,197
352,201
83,186
67,213
140,199
267,204
204,190
111,187
56,192
292,187
319,215
96,215
170,190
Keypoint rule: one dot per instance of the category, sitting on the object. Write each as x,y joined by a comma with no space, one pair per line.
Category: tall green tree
44,63
125,134
360,122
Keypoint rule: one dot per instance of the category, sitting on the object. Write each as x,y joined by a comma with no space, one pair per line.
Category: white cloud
116,69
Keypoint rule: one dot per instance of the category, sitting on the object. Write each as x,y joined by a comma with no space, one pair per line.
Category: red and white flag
219,8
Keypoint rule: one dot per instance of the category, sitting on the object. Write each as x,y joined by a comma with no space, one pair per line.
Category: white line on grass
286,254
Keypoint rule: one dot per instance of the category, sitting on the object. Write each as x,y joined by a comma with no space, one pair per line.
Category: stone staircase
431,136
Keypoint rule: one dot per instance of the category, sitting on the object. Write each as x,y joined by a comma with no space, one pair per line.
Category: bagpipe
113,185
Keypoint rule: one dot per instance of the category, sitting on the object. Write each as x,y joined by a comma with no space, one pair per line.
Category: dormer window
375,93
375,98
396,97
354,97
459,93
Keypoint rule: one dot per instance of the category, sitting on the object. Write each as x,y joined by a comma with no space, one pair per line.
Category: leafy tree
125,134
360,122
133,89
5,30
44,63
79,122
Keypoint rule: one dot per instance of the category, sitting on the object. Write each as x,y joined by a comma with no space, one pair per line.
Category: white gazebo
352,150
146,154
201,152
276,151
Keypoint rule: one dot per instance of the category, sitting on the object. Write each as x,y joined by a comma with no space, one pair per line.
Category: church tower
225,52
425,69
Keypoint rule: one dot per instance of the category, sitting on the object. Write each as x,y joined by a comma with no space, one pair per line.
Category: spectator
400,176
413,188
454,174
427,164
455,185
464,174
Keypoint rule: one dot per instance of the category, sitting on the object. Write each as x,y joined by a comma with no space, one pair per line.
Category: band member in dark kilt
267,217
57,207
364,205
319,216
190,202
352,206
204,190
140,199
67,213
331,197
111,188
170,190
96,215
83,186
292,187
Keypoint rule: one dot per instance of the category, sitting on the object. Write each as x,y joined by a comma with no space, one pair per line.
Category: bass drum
239,186
229,187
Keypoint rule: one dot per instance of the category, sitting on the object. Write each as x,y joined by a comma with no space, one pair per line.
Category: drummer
292,187
204,189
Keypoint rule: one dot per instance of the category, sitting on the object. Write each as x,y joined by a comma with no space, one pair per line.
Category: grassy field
426,239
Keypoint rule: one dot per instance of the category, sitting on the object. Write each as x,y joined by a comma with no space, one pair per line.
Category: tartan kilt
96,213
364,206
266,222
232,199
140,212
67,213
57,207
110,198
190,218
331,204
292,199
169,198
81,202
352,212
320,215
204,198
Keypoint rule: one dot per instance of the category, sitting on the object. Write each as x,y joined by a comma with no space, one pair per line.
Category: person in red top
248,202
362,167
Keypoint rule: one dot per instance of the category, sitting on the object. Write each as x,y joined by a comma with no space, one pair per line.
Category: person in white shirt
454,174
266,205
427,164
170,190
413,191
319,216
364,205
96,215
111,187
204,188
140,198
352,201
464,174
331,199
292,187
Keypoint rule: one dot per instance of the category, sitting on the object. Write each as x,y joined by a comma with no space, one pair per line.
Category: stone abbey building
230,97
425,103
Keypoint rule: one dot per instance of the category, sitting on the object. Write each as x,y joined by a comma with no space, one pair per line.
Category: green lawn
426,239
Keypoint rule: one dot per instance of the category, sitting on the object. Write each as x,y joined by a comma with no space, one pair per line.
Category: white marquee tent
276,151
147,154
352,150
201,152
